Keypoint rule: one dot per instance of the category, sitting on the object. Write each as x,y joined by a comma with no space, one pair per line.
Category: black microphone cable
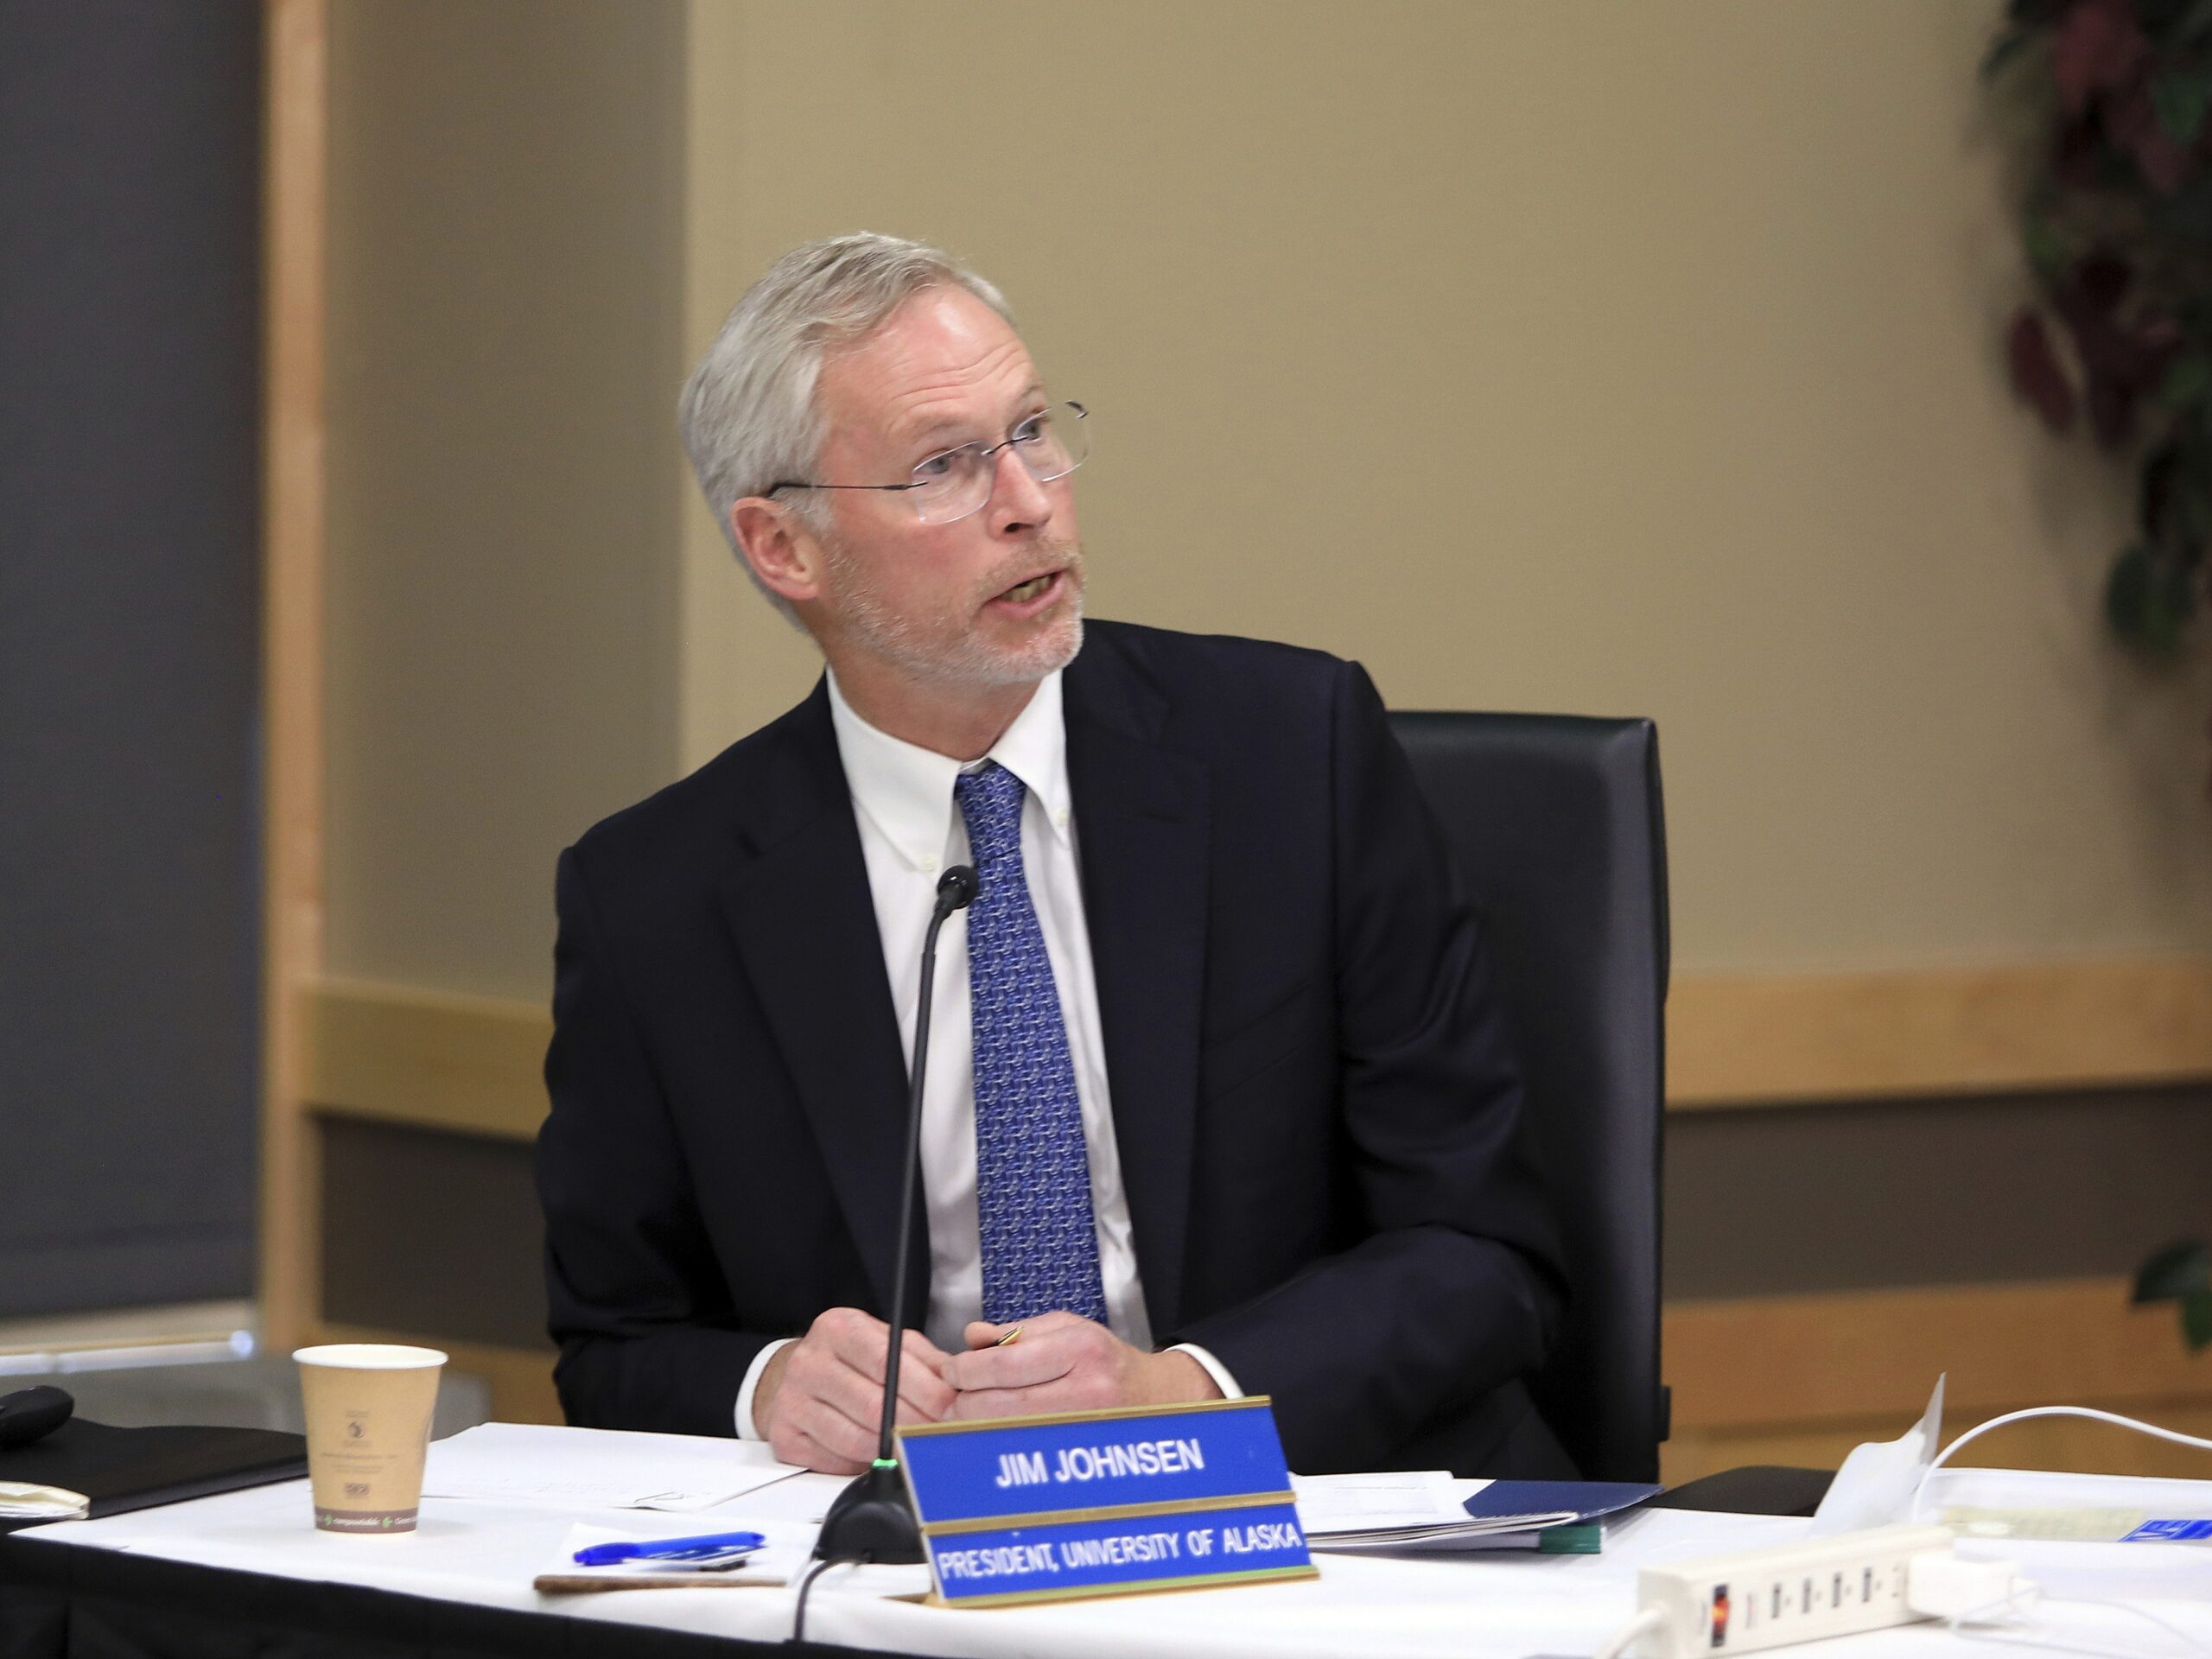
850,1521
806,1588
955,890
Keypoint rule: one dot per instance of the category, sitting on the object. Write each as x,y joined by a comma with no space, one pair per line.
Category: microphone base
872,1520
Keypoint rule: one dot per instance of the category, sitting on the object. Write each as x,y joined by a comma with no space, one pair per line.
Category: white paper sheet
1421,1510
21,1501
1377,1502
597,1469
1875,1486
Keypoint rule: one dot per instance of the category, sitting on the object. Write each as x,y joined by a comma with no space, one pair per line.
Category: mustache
1038,559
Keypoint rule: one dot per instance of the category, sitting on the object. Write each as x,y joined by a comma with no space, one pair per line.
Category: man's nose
1018,501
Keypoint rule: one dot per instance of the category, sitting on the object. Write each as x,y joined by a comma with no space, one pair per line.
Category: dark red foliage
2119,233
2134,125
2123,358
2075,158
2098,49
2102,281
2036,374
2112,409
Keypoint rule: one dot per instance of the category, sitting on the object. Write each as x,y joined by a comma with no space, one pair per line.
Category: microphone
873,1519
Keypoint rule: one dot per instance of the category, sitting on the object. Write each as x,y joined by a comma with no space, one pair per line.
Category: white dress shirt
911,830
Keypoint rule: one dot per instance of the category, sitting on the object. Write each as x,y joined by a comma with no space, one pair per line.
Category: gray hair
748,413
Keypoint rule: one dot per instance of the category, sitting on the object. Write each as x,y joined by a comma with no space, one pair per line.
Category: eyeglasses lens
1051,444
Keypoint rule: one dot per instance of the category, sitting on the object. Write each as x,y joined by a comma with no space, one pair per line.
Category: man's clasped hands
820,1400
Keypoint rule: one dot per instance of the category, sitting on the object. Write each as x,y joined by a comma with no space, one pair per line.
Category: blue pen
672,1549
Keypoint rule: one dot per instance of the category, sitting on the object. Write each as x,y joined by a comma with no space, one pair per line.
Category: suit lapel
799,906
1141,822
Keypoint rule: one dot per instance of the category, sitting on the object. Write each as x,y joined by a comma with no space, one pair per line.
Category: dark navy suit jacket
1316,1107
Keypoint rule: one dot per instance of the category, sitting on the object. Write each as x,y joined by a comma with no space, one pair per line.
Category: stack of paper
1432,1510
21,1501
597,1469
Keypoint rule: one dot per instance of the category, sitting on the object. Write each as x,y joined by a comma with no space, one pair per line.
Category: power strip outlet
1799,1593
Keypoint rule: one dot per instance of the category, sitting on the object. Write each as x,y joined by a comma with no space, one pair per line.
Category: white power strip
1799,1593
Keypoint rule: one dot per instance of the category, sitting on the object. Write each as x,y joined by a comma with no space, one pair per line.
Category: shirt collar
907,790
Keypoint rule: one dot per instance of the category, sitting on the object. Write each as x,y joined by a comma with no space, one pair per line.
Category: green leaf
2148,600
2003,50
2049,254
2196,1318
2192,516
2187,379
2179,99
2180,1269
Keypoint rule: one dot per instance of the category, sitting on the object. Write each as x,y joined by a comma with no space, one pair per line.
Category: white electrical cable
1919,1491
2026,1635
1649,1622
1941,1583
2026,1593
2017,1602
2167,1625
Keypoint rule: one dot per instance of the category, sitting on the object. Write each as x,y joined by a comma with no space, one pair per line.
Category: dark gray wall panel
1781,1200
441,1233
129,433
433,1233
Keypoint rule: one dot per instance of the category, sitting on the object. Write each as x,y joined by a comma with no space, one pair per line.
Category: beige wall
1614,359
1622,358
504,202
1633,356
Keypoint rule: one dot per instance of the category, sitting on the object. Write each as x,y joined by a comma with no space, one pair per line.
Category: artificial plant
2116,221
2117,224
2182,1273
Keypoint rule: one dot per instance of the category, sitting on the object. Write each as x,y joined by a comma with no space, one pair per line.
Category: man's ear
783,552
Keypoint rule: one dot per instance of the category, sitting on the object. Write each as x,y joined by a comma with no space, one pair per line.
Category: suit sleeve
1454,1287
635,1298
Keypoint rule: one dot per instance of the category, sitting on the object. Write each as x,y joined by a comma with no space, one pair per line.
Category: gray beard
962,658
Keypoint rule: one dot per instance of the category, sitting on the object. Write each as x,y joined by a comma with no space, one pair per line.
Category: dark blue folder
1557,1503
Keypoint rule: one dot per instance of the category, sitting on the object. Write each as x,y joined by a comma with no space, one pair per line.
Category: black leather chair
1558,828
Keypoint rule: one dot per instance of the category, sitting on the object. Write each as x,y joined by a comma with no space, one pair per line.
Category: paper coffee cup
369,1407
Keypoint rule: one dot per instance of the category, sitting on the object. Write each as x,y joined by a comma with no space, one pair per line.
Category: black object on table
32,1414
1756,1488
62,1602
122,1469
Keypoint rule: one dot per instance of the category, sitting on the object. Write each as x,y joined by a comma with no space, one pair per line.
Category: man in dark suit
1219,1099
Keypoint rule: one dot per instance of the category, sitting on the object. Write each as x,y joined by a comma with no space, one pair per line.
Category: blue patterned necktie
1033,1174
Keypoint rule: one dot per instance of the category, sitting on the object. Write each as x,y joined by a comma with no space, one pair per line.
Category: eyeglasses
954,483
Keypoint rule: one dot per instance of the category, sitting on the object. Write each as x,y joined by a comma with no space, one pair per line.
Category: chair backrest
1557,826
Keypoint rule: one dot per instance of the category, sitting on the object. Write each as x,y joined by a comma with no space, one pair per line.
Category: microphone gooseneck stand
873,1519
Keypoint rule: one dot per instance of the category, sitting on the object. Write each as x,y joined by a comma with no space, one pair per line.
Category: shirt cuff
1214,1368
746,1431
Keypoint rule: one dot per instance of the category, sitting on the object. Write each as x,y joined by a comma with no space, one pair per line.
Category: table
243,1572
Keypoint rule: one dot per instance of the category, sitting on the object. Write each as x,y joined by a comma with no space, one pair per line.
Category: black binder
122,1469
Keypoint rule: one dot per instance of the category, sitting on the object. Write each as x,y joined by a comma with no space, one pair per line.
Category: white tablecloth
1493,1606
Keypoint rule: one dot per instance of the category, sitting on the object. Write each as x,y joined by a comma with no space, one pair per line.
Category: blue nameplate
1102,1502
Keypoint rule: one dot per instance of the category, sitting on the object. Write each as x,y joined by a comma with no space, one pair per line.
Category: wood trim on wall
296,39
1849,1353
473,1064
1802,1379
1739,1041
